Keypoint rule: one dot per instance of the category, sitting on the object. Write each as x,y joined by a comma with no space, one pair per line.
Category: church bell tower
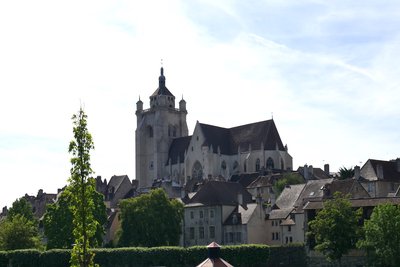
155,130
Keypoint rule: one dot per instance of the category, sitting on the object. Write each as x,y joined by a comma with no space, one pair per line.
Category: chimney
326,169
311,171
356,172
240,199
398,164
305,170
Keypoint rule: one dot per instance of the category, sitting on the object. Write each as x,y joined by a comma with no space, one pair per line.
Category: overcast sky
328,71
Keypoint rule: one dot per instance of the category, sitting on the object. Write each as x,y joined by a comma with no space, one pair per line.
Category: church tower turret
156,128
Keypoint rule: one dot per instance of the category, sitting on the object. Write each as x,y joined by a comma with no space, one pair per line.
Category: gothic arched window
282,165
223,165
235,167
197,171
257,165
270,163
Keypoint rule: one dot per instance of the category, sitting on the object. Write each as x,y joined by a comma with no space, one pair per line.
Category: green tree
335,228
22,207
18,232
287,179
382,236
346,173
150,220
81,188
58,226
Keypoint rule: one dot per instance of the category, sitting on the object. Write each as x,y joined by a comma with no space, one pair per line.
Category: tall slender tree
81,187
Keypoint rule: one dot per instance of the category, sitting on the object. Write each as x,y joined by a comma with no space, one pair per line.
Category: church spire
161,80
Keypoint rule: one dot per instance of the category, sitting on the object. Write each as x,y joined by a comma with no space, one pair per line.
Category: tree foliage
58,225
18,233
150,220
335,228
287,179
81,188
20,229
22,207
346,173
382,236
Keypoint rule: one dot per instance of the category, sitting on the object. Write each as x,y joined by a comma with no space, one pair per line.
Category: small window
212,231
197,138
286,240
211,213
201,232
291,239
150,131
191,232
151,166
289,228
239,237
201,214
191,215
244,167
257,165
231,237
272,223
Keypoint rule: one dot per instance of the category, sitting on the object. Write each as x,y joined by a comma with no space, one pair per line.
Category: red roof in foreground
214,263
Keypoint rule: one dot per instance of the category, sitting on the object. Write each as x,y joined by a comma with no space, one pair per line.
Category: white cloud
333,100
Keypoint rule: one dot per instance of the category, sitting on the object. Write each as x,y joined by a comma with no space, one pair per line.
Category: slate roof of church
163,90
221,193
229,139
177,149
253,134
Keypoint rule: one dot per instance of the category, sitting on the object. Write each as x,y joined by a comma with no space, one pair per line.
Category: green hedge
24,257
243,256
3,259
55,258
290,255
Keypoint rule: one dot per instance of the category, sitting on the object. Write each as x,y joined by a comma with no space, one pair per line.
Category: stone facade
156,128
165,151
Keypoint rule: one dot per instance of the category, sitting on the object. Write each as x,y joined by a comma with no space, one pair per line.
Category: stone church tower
155,130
